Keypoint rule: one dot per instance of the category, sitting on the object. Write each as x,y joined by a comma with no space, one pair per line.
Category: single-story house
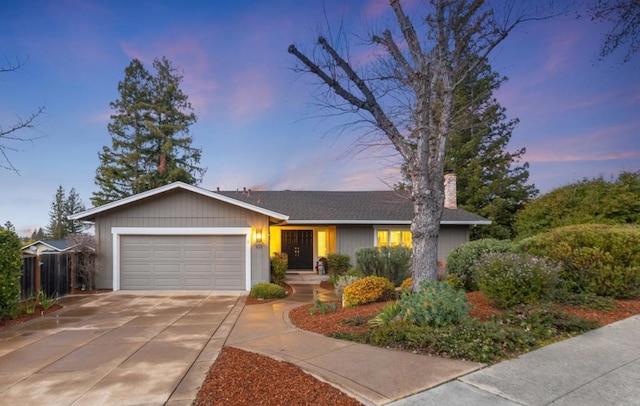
48,247
179,236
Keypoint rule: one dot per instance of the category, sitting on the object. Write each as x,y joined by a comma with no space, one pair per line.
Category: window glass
406,239
383,238
322,243
395,238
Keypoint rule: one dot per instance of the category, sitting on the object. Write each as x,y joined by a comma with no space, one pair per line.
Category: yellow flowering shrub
407,283
367,290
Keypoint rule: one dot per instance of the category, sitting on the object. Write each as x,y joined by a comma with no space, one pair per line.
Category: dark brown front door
298,245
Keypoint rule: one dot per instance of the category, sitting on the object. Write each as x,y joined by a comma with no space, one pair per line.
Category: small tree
10,271
85,253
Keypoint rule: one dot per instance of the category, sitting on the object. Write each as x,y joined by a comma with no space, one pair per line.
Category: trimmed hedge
462,259
267,291
595,258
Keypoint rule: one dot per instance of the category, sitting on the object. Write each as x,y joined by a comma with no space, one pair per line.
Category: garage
182,262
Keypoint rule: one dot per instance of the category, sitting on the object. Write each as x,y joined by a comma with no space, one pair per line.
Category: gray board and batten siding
177,209
351,237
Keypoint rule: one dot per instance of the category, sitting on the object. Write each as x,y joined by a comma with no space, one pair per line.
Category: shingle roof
323,207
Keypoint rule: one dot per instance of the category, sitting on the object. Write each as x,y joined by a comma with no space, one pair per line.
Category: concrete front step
305,277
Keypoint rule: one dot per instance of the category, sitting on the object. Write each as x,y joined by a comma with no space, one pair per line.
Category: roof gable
91,213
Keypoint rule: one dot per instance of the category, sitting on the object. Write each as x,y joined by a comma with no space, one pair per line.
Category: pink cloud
193,61
603,144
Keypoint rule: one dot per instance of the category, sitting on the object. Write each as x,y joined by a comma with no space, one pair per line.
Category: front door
298,245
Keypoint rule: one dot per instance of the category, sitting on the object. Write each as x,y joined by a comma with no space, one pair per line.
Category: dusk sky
257,122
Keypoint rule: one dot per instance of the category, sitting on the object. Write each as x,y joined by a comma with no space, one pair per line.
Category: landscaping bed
239,377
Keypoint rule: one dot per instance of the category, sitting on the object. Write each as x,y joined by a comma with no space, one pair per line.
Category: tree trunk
428,204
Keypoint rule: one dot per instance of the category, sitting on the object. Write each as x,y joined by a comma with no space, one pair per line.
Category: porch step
305,277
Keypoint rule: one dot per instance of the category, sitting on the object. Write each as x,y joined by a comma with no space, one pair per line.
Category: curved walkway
372,375
601,367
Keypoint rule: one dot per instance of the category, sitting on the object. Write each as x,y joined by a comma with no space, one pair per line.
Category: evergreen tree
60,227
72,205
8,225
491,180
57,216
150,141
38,234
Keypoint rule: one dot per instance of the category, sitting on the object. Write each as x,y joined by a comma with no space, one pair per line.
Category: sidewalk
597,368
601,367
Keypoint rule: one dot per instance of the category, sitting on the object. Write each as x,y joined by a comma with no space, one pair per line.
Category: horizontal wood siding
349,238
178,208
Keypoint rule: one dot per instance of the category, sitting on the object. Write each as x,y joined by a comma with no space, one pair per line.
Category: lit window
322,243
383,238
393,238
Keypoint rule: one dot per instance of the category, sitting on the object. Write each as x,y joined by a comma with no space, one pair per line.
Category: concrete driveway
125,348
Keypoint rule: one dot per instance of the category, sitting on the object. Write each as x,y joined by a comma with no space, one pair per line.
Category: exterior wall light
259,237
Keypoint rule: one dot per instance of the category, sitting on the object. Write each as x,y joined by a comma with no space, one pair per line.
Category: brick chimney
450,192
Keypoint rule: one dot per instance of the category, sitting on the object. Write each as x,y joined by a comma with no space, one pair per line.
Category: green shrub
338,264
323,308
367,290
470,339
462,259
389,313
544,322
45,300
589,301
595,258
516,331
279,266
511,279
267,291
10,271
393,263
436,304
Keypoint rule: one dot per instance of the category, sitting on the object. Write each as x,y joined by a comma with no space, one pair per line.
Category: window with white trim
393,238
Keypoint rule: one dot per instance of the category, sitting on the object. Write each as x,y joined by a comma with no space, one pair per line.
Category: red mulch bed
239,377
243,378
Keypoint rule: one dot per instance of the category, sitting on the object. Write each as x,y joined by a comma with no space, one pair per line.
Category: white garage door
175,262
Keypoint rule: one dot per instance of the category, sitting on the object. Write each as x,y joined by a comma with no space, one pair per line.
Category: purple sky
256,124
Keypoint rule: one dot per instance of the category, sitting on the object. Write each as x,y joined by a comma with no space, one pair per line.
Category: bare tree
85,252
408,96
624,16
13,133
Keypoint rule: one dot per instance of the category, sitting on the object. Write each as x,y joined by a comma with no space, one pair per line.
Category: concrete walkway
601,367
373,375
121,348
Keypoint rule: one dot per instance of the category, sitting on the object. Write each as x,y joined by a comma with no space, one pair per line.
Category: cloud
616,142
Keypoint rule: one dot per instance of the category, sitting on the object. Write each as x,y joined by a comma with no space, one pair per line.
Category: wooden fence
54,277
